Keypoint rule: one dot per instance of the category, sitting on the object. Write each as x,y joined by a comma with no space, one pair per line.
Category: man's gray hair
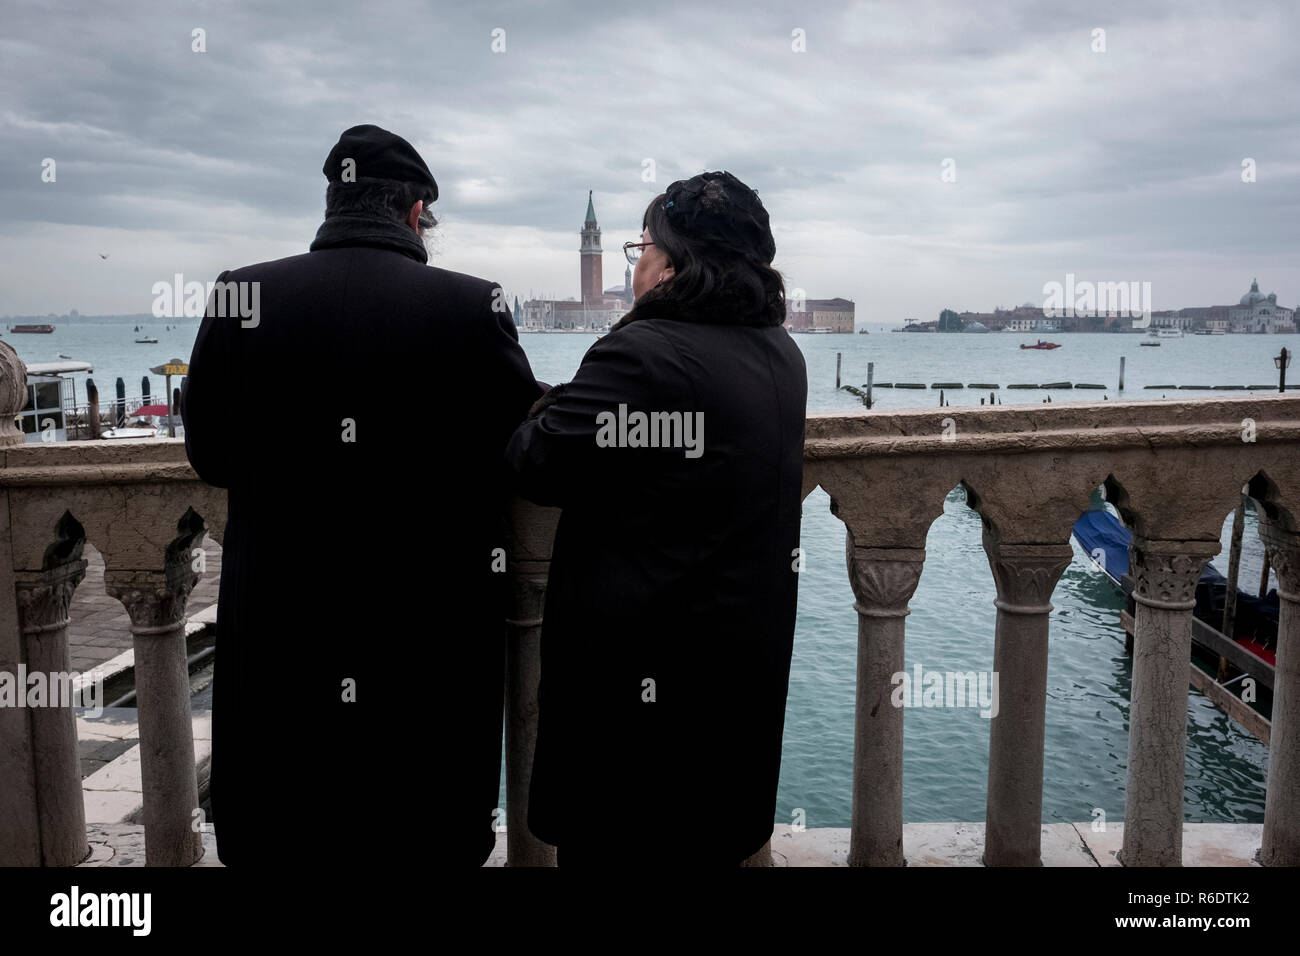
378,198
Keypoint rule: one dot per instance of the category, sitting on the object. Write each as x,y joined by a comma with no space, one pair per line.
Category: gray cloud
1123,164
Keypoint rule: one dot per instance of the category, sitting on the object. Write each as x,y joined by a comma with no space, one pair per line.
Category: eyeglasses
633,250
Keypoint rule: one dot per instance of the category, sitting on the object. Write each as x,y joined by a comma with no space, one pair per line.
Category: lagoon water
951,626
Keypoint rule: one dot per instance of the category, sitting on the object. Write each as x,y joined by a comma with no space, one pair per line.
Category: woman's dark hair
715,231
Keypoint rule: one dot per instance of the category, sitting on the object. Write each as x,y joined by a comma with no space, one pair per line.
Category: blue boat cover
1256,617
1098,528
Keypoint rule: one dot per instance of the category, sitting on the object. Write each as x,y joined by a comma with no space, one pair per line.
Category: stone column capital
883,579
1026,574
155,600
1283,548
45,597
1165,571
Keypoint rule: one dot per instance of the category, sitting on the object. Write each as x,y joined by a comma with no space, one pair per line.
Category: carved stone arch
1175,501
978,504
810,481
884,502
210,503
1268,497
68,544
1117,495
1036,500
973,500
178,556
45,596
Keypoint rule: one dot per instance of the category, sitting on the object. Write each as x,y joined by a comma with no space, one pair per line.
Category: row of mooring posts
868,401
119,413
1281,361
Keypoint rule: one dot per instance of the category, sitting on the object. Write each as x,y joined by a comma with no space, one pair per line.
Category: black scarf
367,231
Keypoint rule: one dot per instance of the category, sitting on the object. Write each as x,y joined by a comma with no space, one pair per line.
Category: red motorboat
1040,344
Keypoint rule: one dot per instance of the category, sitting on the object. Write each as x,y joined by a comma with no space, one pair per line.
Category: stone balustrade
141,505
1174,470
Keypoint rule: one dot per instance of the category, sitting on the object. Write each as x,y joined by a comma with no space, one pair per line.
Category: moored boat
1250,650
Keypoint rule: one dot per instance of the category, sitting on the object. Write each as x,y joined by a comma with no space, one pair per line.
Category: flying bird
102,256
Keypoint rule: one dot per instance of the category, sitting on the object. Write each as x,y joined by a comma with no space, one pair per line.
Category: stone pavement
924,845
122,844
100,628
112,787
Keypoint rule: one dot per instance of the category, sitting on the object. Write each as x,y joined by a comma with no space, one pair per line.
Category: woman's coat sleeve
555,456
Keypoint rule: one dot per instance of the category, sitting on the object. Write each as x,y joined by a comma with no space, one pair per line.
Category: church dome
1254,296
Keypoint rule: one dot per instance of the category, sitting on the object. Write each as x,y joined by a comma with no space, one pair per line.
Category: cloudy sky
1117,165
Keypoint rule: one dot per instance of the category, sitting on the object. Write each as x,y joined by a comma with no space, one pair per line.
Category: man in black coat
357,695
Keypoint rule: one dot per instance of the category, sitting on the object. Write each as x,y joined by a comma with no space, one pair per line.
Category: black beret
378,154
717,205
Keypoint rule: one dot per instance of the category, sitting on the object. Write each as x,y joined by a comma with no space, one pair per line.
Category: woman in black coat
676,454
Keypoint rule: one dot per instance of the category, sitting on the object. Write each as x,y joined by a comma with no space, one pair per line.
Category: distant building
624,293
1022,318
591,256
1256,312
596,309
1253,313
820,315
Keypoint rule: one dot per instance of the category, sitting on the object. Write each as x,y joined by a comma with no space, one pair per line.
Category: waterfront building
1021,318
1254,312
820,315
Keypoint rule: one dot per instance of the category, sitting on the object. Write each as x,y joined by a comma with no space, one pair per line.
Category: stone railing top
1029,427
120,461
1077,426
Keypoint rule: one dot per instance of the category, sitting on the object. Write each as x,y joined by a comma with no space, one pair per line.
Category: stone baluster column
19,809
532,531
1281,840
44,599
156,603
883,581
1025,576
1165,573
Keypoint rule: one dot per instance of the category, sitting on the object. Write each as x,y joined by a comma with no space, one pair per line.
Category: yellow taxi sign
174,367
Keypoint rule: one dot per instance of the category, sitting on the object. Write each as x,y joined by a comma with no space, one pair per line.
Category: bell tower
592,259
